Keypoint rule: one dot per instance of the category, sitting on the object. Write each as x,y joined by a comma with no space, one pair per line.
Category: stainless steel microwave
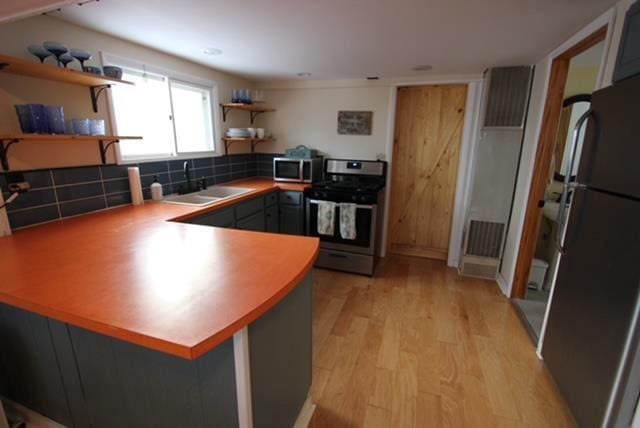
297,170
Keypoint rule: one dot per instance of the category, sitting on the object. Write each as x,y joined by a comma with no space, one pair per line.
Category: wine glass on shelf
81,55
56,48
39,51
65,59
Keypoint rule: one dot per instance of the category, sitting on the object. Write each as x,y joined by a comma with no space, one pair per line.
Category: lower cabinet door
291,220
273,219
254,222
222,218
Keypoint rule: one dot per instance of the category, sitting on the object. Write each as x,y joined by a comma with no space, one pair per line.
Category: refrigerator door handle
567,185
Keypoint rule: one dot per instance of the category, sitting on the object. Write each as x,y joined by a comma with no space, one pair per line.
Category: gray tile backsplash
63,192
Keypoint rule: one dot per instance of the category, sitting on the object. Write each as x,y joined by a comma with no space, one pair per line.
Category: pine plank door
428,135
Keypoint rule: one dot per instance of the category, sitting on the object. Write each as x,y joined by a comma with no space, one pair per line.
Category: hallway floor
419,346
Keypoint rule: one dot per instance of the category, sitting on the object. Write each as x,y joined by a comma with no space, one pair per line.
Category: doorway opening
574,76
426,151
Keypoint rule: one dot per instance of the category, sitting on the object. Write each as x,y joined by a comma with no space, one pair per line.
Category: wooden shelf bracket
104,147
253,110
4,150
95,95
253,115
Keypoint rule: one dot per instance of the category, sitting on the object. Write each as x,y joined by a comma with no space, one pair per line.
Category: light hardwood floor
419,346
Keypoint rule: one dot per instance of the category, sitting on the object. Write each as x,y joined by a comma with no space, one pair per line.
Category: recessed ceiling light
422,68
304,74
212,51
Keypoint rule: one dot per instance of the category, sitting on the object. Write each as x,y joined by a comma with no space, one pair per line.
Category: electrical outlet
20,187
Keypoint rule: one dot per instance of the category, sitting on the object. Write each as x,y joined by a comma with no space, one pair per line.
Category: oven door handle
364,207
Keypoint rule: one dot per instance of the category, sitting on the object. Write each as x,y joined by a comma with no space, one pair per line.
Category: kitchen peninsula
132,317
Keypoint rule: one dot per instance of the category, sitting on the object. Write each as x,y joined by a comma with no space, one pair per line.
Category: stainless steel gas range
356,182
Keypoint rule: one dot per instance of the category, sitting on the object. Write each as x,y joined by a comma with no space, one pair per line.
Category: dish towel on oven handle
348,221
326,217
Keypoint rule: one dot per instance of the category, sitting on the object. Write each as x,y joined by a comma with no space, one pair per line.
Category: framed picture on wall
354,122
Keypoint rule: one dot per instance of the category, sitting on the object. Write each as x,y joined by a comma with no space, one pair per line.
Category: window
173,116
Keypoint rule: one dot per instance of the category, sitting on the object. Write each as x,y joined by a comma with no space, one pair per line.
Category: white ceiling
276,39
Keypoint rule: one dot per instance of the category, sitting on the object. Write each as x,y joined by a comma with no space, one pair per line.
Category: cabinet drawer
291,198
245,209
254,222
271,199
222,218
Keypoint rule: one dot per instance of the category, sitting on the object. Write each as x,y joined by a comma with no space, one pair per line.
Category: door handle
337,256
567,185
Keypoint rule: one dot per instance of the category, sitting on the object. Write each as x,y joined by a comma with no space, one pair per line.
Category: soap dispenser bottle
156,189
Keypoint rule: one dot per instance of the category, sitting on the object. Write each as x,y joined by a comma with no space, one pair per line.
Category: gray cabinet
254,222
223,218
272,219
277,212
291,213
249,208
628,62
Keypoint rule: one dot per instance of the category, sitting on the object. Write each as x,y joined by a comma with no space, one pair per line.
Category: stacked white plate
238,133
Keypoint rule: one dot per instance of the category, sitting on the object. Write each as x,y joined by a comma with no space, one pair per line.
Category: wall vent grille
479,267
507,97
485,239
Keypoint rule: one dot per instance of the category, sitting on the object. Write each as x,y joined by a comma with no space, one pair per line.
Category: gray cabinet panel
30,365
222,218
291,220
271,199
69,373
272,217
127,385
290,198
255,222
281,370
250,207
628,62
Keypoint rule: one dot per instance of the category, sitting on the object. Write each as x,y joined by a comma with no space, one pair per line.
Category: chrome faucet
187,175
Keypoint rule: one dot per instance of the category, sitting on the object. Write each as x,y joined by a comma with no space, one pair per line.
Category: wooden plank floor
419,346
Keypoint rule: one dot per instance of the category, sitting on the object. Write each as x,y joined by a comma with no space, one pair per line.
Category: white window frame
172,75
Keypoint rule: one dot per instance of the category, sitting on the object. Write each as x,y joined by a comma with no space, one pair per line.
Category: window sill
194,155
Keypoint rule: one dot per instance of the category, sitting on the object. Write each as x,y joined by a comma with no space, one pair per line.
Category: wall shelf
96,84
253,109
104,142
254,141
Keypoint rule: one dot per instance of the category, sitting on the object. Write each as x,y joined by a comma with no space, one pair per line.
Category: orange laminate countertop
132,274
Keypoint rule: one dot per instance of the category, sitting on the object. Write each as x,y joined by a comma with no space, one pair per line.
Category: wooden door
428,134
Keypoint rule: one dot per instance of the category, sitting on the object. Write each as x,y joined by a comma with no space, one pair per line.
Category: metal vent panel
485,238
479,268
507,96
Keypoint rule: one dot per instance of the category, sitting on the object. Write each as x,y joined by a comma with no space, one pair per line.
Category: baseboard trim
304,417
502,283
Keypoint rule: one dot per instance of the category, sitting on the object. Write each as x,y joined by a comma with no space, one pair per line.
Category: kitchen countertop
137,274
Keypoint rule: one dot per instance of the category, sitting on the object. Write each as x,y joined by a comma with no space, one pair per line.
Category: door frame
544,155
467,149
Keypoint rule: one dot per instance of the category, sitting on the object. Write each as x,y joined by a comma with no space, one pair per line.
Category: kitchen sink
206,197
223,191
191,199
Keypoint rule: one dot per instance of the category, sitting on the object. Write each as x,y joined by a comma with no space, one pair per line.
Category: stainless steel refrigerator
591,339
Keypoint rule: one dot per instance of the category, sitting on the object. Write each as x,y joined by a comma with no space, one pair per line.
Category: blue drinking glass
55,119
38,118
24,117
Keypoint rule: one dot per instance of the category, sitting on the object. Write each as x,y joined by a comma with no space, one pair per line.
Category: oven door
364,242
287,170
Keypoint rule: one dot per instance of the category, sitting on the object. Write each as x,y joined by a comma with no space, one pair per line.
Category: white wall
613,17
309,116
16,36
